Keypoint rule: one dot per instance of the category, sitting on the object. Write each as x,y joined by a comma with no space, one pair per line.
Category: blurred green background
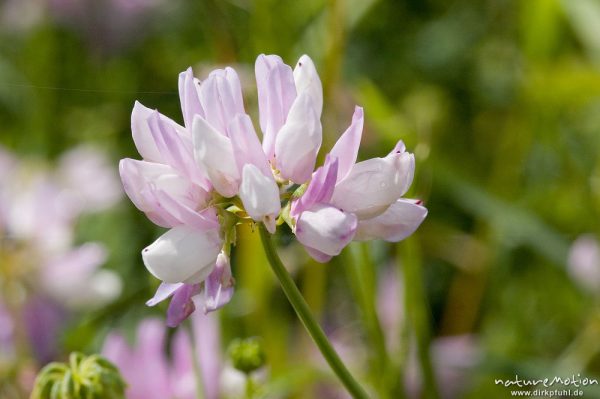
498,99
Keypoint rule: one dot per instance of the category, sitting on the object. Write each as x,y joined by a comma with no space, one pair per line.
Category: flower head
203,178
174,376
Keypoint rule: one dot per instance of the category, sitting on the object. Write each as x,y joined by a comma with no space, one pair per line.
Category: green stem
417,314
249,387
362,278
583,348
304,314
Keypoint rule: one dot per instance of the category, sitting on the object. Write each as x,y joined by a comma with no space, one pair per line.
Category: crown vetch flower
202,179
348,201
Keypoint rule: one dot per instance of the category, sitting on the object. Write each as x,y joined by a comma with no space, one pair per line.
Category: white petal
182,253
213,152
374,184
399,221
326,229
142,136
307,79
298,141
260,196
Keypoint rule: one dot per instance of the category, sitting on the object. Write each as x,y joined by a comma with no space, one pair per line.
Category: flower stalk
362,278
304,314
417,313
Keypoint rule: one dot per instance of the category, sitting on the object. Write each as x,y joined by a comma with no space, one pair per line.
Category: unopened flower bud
84,377
247,355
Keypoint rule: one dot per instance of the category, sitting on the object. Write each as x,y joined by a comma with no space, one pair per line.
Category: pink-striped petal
218,287
182,305
276,93
346,148
320,189
164,291
141,179
246,145
204,219
189,97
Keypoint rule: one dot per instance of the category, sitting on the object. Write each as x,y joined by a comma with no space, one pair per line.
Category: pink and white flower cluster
202,178
39,257
39,209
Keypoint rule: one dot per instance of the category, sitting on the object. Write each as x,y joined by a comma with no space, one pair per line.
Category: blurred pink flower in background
6,334
109,25
390,307
150,374
88,179
74,278
39,208
18,15
452,357
43,319
583,264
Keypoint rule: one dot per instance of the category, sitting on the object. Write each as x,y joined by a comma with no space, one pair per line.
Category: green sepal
299,191
284,216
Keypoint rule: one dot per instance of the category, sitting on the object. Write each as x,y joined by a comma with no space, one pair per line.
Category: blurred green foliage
498,99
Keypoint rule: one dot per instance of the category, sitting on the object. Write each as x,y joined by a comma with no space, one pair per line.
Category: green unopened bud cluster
91,377
247,355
